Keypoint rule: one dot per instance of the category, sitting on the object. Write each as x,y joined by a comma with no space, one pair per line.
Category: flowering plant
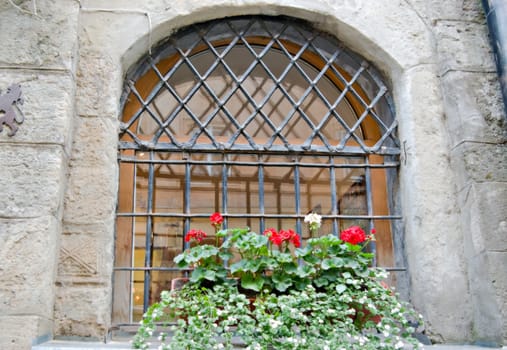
323,294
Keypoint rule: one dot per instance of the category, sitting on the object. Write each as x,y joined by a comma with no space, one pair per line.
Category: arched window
263,119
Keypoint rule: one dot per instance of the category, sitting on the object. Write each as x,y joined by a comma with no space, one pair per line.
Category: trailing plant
268,291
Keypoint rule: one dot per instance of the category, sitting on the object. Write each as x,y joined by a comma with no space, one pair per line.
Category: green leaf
249,281
198,274
179,258
225,255
306,271
340,288
238,266
332,263
321,282
353,264
210,275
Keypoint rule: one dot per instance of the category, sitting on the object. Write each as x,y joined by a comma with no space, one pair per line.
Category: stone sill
75,345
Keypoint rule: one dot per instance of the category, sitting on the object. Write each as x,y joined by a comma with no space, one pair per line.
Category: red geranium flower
216,219
353,235
278,238
270,232
296,241
290,236
197,235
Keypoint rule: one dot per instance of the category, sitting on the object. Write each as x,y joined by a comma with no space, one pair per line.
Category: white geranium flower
275,323
313,219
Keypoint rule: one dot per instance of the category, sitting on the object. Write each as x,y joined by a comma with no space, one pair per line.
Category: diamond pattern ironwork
259,84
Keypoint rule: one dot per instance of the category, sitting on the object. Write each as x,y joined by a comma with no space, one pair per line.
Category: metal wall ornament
9,102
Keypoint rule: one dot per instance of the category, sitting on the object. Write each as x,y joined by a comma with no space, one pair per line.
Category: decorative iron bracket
8,103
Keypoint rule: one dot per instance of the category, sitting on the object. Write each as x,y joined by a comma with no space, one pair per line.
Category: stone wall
39,52
59,172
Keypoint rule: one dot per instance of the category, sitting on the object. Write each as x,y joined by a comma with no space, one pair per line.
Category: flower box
280,292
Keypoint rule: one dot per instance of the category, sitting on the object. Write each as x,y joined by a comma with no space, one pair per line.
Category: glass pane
167,239
206,184
243,190
169,183
121,296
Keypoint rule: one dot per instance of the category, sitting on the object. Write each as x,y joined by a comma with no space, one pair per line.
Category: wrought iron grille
262,119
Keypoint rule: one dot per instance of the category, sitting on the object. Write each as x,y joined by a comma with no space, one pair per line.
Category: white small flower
275,323
399,345
314,219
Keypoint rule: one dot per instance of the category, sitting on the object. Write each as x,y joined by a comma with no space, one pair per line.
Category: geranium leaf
340,288
198,274
249,281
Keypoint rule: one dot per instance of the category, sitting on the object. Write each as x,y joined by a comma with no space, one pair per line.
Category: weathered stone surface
32,178
27,253
91,194
401,39
487,320
463,45
86,311
48,108
97,82
474,108
86,253
484,207
429,205
93,172
480,162
21,332
95,141
408,40
431,10
45,39
497,262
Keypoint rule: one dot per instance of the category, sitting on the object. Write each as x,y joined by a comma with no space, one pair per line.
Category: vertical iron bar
334,199
262,222
149,235
369,205
224,191
186,199
297,194
133,243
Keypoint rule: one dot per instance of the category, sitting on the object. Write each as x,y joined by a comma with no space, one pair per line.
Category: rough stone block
91,193
474,108
45,39
433,10
32,178
21,332
429,206
83,311
98,92
499,280
28,254
86,253
95,141
479,162
48,108
464,45
484,208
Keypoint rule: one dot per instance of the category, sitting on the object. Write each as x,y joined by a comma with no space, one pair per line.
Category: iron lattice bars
263,119
292,44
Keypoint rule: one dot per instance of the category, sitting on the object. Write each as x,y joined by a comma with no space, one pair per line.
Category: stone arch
353,22
403,52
